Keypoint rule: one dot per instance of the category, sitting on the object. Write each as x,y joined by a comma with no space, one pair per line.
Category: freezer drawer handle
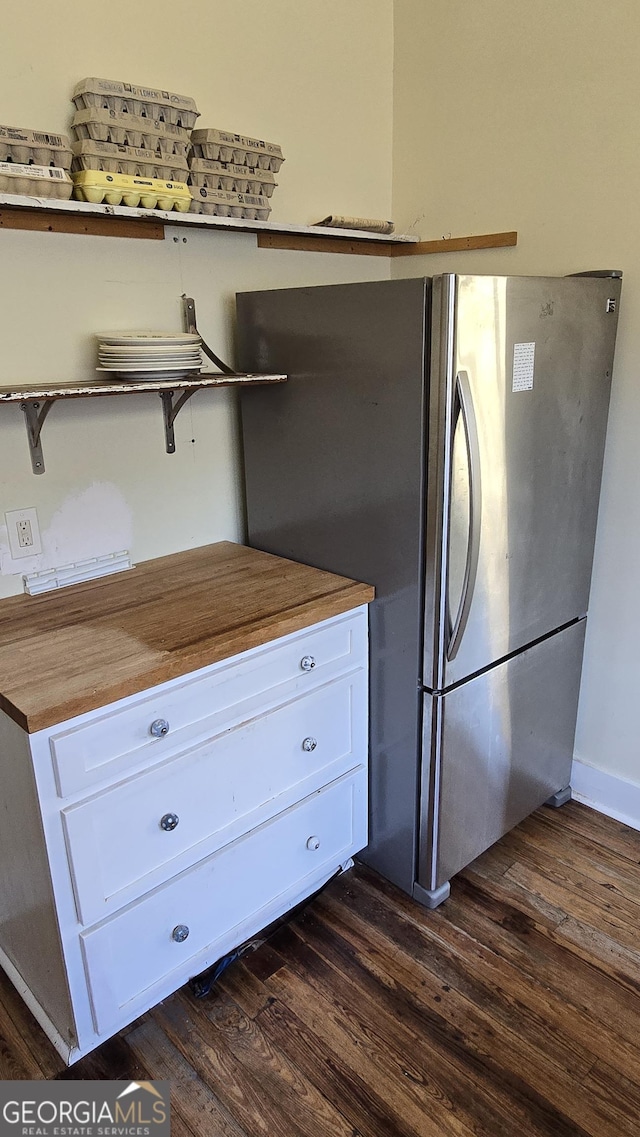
464,406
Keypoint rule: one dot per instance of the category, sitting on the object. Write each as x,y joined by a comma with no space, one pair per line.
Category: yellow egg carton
98,186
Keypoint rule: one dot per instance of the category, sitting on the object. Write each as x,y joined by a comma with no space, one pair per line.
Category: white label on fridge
523,354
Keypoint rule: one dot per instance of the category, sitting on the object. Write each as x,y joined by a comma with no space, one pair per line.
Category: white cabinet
150,837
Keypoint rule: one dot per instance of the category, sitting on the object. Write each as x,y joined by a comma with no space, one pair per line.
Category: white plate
134,373
140,349
151,354
148,349
150,339
142,361
163,366
151,367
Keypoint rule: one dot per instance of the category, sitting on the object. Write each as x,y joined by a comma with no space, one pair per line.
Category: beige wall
524,116
315,77
505,116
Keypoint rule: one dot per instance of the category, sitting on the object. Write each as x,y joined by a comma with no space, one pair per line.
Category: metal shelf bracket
170,413
170,409
35,414
189,310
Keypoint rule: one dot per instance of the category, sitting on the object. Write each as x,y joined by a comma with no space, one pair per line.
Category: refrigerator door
520,381
494,749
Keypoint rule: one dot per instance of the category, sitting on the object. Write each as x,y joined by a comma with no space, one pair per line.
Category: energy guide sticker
523,362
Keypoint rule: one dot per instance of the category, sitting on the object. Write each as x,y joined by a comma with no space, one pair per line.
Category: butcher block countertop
67,652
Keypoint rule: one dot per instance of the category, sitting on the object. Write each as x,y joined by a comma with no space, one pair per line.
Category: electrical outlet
24,533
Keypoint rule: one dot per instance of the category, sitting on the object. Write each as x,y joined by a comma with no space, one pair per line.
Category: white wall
317,78
524,116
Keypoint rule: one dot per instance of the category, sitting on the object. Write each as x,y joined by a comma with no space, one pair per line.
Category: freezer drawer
494,749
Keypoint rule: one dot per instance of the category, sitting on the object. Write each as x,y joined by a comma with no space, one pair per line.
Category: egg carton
125,98
98,186
204,172
224,203
222,146
129,130
36,147
35,181
106,156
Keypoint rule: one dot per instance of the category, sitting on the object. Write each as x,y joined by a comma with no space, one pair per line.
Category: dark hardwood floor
512,1010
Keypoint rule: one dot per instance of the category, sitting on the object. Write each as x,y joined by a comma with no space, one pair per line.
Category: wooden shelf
37,399
331,242
49,215
38,392
458,244
46,215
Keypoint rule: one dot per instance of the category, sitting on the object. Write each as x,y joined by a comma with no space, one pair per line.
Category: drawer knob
158,728
169,822
313,843
180,933
307,662
309,744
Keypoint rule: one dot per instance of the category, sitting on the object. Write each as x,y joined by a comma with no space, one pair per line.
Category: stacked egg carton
138,132
35,163
231,175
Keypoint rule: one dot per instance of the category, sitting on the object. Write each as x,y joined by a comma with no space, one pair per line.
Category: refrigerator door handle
463,405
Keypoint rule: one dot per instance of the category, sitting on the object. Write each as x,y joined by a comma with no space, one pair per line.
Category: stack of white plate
149,355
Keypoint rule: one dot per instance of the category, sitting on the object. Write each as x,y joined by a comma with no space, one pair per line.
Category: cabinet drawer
129,838
108,743
135,956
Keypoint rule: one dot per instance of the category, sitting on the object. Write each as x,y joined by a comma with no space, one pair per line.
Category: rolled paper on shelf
367,224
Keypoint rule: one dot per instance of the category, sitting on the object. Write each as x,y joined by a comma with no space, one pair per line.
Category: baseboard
614,796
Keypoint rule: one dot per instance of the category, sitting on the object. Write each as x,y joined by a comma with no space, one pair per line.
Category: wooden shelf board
37,399
47,221
312,243
457,244
40,392
46,215
21,212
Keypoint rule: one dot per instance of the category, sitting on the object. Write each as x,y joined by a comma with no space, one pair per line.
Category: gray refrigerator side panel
495,748
333,473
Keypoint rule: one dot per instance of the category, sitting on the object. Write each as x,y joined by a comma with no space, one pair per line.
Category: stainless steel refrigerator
442,439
